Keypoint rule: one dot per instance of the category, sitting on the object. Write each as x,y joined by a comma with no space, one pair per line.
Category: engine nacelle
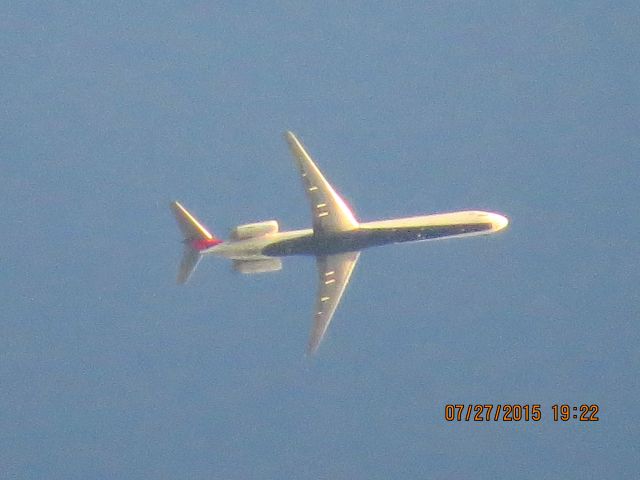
252,230
257,266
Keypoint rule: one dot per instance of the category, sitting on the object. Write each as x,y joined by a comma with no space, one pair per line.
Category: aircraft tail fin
196,239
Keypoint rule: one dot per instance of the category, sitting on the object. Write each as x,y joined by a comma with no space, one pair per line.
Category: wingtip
290,137
176,206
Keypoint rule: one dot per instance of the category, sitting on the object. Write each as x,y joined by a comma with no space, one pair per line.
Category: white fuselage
365,235
335,239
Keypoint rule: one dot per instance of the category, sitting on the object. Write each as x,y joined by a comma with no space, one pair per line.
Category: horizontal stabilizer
196,239
190,260
191,228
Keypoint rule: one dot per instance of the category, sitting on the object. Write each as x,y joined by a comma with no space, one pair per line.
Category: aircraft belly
362,238
426,232
241,249
253,248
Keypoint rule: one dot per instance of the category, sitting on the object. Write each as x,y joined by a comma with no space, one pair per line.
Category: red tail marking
201,244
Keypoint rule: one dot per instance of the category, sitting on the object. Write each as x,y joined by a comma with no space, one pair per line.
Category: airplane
336,239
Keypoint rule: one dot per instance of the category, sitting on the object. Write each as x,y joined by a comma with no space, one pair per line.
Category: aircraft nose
499,222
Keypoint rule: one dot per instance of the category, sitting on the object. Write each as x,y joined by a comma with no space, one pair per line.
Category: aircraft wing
329,212
334,272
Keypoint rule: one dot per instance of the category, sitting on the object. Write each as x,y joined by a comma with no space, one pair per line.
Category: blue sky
109,111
